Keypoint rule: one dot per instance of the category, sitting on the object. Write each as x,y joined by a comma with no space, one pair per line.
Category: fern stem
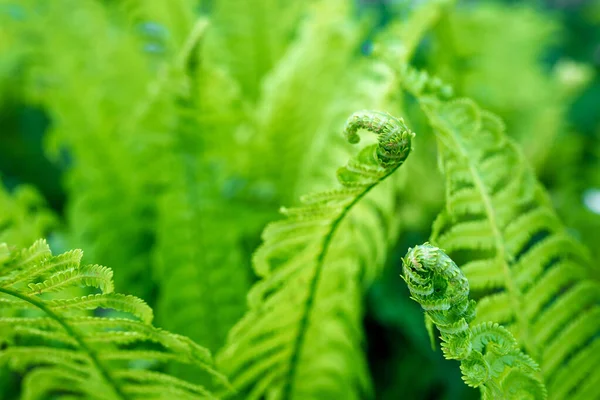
73,333
287,390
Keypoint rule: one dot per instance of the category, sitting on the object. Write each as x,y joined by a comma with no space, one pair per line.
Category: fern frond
197,256
303,325
63,349
489,355
525,270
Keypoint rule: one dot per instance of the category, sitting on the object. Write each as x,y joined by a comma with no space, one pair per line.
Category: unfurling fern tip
394,141
489,354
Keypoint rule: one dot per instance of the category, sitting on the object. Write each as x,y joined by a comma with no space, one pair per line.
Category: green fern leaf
525,270
66,351
303,325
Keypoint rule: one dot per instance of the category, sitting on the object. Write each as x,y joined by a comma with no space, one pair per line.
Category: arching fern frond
489,355
525,270
64,350
301,337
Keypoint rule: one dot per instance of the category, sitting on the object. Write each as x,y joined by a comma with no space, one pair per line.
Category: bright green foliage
64,348
526,272
23,216
489,355
250,38
301,337
282,123
197,255
104,180
180,126
503,72
164,24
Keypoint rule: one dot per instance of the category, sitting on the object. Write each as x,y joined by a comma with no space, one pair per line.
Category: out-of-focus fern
23,216
489,355
106,168
301,337
67,351
297,94
197,248
164,24
197,255
525,270
250,37
529,96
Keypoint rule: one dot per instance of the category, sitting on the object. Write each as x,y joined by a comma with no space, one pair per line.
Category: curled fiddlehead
489,354
394,136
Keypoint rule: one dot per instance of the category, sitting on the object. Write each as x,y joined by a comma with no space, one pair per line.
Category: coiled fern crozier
301,337
489,355
49,334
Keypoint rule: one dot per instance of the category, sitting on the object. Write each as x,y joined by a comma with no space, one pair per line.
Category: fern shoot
63,349
302,313
489,355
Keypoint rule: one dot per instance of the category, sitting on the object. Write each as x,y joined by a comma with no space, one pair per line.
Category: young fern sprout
394,136
489,355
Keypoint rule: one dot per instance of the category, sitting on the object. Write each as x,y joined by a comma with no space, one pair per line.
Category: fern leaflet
65,350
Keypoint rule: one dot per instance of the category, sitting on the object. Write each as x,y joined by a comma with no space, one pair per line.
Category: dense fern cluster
179,127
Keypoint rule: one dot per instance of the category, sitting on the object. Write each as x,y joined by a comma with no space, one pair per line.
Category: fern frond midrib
74,334
515,295
287,390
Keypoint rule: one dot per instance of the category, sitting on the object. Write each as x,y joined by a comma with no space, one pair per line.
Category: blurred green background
536,63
